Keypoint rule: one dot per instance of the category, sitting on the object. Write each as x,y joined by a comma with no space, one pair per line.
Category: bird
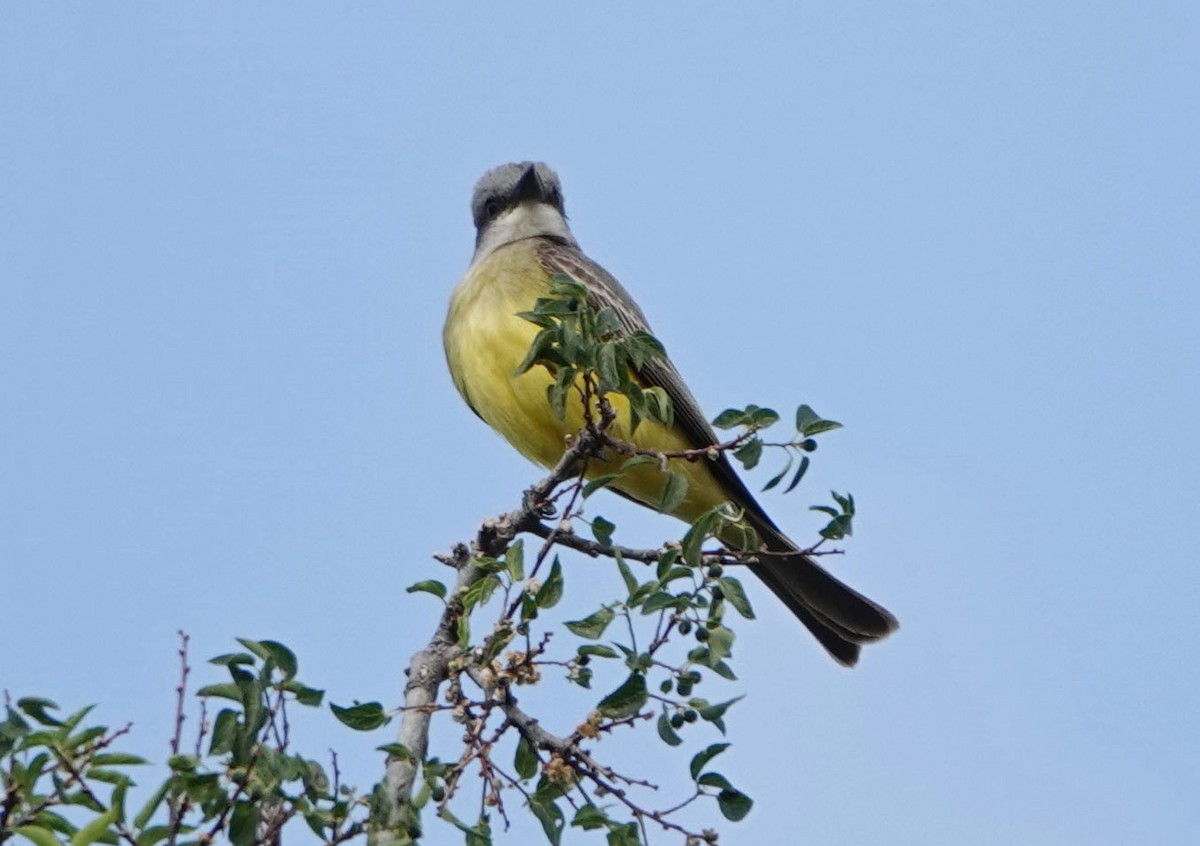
522,243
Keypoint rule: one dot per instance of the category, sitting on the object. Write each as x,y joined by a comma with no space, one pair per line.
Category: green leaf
479,834
232,659
722,669
182,763
602,530
115,759
693,541
75,719
498,639
551,818
714,780
667,560
598,650
593,625
428,586
283,657
675,574
808,422
720,642
645,346
85,737
37,835
541,346
526,761
224,732
631,582
96,829
734,804
805,416
152,804
529,609
514,559
627,700
820,426
551,590
480,592
155,833
362,716
557,391
729,418
637,461
55,822
839,527
598,483
24,778
761,418
305,695
776,479
590,817
673,492
243,823
666,732
108,776
658,405
715,714
396,750
735,595
700,759
800,471
749,453
624,835
607,368
228,690
36,707
661,600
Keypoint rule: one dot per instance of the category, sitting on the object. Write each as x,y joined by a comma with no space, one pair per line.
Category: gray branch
431,665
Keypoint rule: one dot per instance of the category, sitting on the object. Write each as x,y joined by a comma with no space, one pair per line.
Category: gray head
516,201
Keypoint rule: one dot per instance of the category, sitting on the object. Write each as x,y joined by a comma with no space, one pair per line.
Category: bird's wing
604,290
839,616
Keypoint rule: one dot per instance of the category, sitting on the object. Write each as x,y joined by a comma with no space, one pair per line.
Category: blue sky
967,231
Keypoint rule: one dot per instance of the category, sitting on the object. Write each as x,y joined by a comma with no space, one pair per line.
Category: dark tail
841,618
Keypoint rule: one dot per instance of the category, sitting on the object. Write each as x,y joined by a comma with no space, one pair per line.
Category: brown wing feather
839,617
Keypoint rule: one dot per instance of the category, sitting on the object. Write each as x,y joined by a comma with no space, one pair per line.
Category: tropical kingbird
522,241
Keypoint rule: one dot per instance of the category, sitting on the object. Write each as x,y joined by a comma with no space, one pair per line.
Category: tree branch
431,665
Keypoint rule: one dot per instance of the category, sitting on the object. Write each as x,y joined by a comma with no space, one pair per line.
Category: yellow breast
485,343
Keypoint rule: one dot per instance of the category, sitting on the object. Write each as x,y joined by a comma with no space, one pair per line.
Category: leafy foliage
588,350
645,652
65,781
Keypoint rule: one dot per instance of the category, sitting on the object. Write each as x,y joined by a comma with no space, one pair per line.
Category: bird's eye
491,208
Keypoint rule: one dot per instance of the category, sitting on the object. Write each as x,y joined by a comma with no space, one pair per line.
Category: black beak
529,187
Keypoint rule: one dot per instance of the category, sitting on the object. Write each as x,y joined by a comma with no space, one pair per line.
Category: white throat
525,220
